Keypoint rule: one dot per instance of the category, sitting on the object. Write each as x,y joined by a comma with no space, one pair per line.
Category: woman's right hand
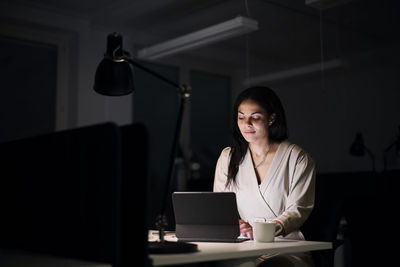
245,229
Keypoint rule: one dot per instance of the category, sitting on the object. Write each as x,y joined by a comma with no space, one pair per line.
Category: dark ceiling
291,33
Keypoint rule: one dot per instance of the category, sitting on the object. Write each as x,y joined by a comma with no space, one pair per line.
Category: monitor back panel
72,193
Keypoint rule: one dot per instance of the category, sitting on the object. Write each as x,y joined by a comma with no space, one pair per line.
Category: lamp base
167,247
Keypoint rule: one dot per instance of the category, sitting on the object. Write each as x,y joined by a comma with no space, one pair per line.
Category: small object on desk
168,236
169,245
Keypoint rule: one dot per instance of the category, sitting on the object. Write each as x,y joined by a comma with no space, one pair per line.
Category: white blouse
286,193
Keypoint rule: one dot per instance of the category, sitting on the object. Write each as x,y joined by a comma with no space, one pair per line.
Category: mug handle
277,232
280,228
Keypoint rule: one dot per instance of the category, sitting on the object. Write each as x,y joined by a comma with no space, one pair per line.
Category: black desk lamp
358,149
114,77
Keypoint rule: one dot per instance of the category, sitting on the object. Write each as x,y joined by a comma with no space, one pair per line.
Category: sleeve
300,199
221,171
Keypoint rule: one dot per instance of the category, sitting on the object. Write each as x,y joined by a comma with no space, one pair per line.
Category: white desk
237,254
227,254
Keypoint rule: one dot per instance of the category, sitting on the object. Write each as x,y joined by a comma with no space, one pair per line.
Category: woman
272,178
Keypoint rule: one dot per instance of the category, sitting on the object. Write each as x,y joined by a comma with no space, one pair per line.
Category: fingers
246,229
244,226
250,234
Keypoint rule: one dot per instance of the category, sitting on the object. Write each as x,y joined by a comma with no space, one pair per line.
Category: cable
247,49
321,43
247,8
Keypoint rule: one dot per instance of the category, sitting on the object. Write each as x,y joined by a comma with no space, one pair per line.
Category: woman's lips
249,132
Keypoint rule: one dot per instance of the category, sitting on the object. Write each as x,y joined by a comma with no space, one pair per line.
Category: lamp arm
390,147
161,220
184,93
175,145
159,76
371,156
385,154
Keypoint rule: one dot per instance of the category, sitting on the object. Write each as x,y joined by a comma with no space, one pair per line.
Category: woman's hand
246,229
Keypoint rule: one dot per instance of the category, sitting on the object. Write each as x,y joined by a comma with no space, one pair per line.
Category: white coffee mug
264,231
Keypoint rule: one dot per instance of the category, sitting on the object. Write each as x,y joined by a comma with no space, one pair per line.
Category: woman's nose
248,122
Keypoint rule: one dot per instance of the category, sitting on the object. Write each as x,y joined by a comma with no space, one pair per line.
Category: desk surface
231,251
249,250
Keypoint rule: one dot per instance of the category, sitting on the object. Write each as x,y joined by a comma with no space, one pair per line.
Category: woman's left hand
246,229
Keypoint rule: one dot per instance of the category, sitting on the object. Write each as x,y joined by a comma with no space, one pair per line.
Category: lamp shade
114,75
113,78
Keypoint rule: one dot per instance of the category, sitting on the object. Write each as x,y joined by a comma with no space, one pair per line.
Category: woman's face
253,121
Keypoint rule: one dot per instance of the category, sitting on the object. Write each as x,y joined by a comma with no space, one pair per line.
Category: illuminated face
253,121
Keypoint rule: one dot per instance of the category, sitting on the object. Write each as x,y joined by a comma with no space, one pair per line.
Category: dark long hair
267,99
